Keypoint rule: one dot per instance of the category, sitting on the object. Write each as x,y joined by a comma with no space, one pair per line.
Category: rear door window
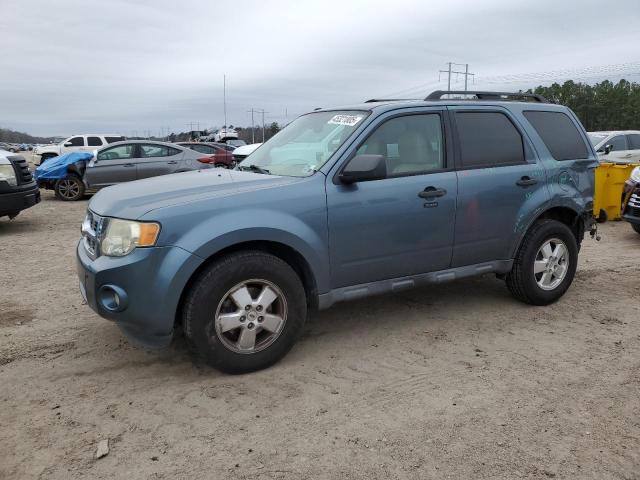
488,139
147,151
634,141
94,141
559,133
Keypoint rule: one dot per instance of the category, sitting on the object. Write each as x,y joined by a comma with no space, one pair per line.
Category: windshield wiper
254,168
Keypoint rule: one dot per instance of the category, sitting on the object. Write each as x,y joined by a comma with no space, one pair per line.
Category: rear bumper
14,202
148,283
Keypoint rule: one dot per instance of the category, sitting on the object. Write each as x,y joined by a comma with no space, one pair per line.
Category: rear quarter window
114,139
559,133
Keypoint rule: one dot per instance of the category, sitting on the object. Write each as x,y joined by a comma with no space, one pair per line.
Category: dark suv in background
342,204
18,189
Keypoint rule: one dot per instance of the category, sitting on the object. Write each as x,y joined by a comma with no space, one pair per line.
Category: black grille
633,211
21,167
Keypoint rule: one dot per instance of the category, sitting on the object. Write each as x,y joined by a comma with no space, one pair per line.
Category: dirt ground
451,381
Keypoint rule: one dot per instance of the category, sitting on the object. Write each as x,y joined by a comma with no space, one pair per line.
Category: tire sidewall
549,231
201,306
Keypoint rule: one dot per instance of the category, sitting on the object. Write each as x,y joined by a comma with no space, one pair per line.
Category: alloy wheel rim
551,264
251,316
68,189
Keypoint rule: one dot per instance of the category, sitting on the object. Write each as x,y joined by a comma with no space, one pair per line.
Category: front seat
413,150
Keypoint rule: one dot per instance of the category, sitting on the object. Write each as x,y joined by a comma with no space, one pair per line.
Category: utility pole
224,98
449,71
253,127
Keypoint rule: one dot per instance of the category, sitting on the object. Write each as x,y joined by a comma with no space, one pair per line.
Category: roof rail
437,95
373,100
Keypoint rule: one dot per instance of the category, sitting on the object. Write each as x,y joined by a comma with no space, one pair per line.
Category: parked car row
73,174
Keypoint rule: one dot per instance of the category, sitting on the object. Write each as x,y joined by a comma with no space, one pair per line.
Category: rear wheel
545,264
69,188
636,227
244,312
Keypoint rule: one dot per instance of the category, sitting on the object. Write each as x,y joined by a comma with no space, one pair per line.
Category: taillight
210,159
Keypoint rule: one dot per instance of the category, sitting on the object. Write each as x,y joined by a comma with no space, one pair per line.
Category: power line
628,68
449,71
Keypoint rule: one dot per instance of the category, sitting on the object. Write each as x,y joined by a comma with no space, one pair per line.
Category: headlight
7,174
635,175
122,236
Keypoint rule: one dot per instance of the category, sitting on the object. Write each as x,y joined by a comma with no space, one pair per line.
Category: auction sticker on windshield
348,120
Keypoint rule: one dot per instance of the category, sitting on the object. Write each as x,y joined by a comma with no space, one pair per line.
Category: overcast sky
119,66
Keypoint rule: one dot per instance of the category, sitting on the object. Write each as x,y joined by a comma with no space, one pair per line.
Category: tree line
602,106
10,136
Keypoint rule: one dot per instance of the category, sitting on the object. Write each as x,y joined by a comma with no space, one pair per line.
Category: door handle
526,181
628,155
432,192
172,162
128,165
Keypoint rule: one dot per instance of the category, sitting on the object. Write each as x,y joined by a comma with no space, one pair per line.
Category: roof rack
373,100
437,95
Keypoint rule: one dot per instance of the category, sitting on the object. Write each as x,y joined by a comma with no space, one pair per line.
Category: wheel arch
562,213
284,252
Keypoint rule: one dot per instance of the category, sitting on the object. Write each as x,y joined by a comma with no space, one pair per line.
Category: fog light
113,298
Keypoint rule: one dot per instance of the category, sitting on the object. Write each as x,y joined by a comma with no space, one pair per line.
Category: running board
380,287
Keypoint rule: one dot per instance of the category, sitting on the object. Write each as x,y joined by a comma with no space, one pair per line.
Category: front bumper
140,292
14,202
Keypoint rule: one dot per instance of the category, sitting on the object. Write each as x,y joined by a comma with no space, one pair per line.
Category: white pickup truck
76,143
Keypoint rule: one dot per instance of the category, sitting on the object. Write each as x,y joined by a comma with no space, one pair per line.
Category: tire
210,295
69,189
602,216
636,227
544,287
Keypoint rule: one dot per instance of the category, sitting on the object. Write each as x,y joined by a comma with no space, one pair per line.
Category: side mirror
364,167
68,144
607,149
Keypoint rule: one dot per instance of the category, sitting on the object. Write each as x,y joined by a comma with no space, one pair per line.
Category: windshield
596,138
305,144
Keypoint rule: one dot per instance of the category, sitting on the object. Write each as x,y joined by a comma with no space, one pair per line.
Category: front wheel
636,227
545,264
69,189
244,312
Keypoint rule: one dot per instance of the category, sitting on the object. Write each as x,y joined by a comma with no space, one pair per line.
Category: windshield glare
305,144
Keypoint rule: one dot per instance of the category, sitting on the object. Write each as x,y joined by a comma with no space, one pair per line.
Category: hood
134,199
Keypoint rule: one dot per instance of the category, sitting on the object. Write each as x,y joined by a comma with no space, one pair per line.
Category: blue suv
342,204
